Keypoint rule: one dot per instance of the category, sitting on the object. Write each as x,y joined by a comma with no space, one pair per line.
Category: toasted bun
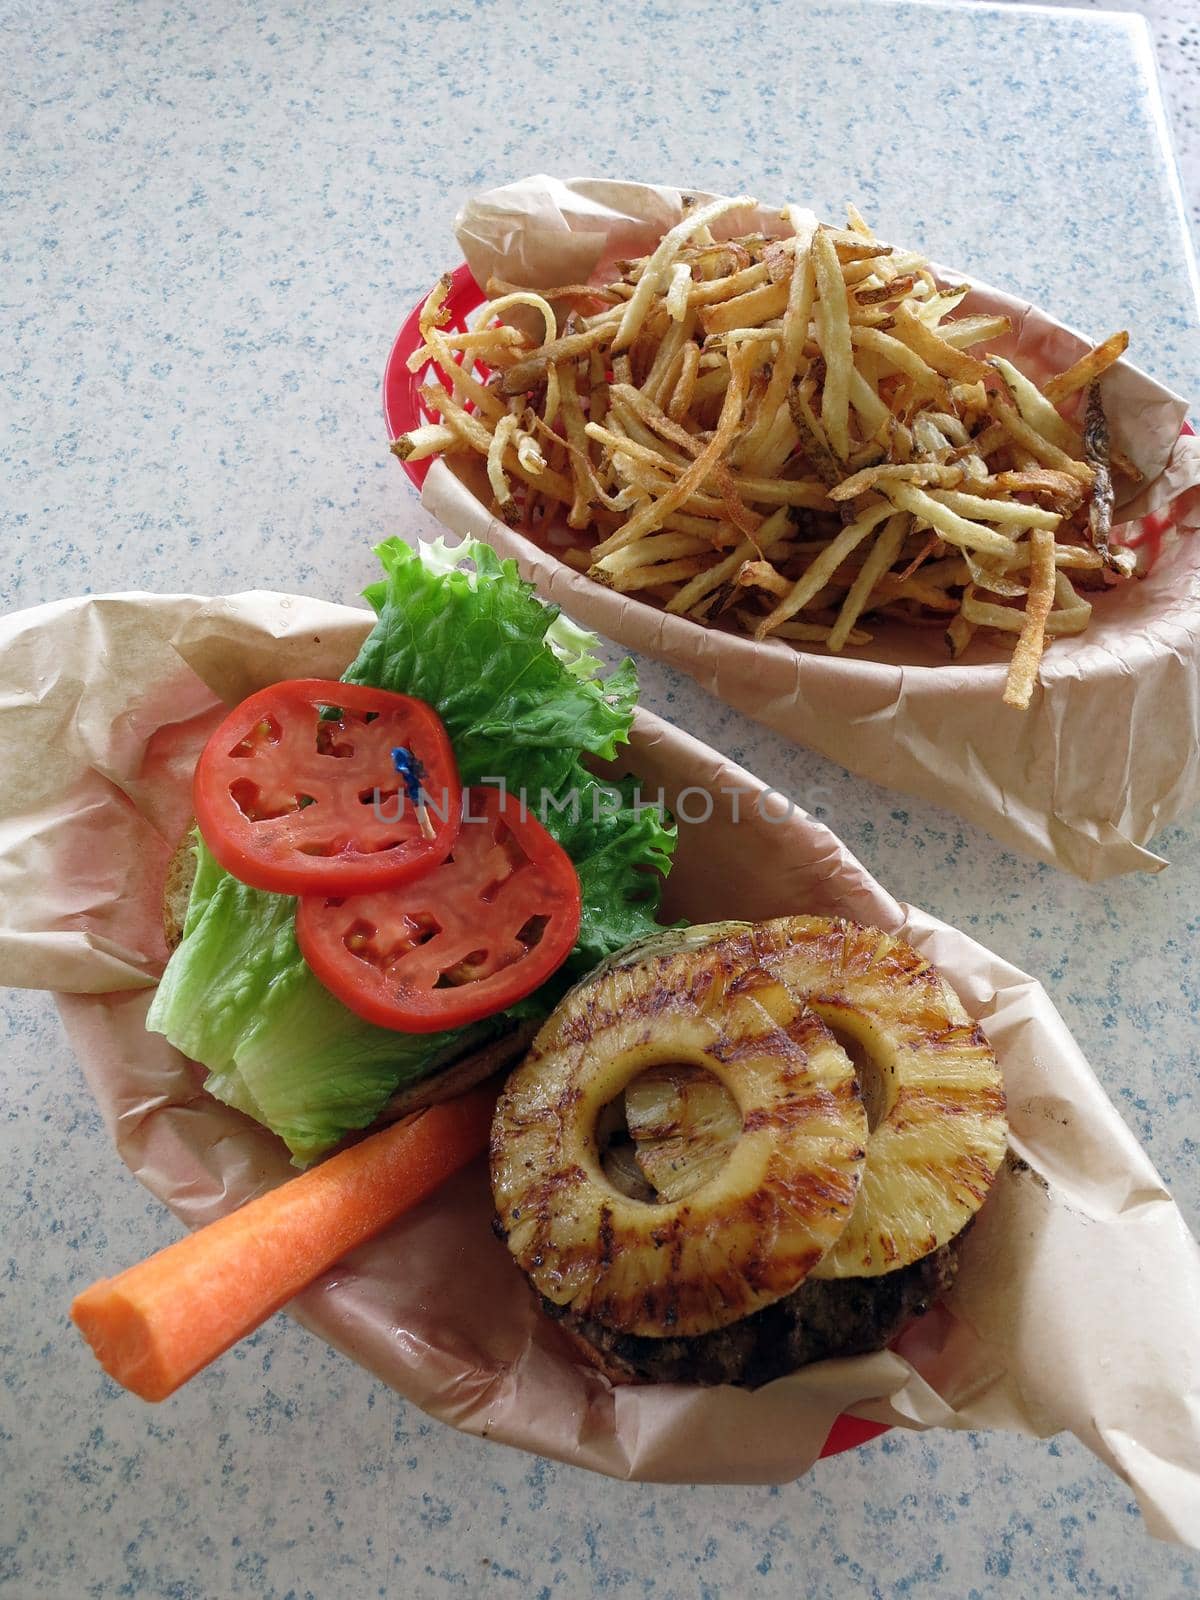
181,870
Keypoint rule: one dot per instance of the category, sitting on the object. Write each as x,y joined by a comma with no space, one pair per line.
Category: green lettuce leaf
521,691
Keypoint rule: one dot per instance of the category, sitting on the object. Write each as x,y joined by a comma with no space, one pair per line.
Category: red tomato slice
479,932
292,798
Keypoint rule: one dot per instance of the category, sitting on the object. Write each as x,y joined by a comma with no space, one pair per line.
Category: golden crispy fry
833,332
1087,369
1023,669
953,528
964,332
648,577
527,375
1035,409
657,547
918,472
746,310
935,351
1011,512
430,439
685,385
503,437
1040,481
726,287
761,575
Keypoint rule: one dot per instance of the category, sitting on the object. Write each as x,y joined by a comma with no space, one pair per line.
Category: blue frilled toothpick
410,772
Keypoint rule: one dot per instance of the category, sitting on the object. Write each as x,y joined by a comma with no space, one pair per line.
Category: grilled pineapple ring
755,1229
940,1132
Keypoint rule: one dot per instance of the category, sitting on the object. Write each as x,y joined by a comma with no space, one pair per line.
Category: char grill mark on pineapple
940,1138
771,1205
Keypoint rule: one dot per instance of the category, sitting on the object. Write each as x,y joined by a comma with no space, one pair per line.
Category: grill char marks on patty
824,1317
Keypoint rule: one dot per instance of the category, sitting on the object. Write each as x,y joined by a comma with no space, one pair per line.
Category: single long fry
526,375
1022,672
746,310
685,384
918,472
727,286
979,507
901,356
158,1324
430,439
650,575
823,568
1036,410
504,436
833,325
953,528
942,356
1087,369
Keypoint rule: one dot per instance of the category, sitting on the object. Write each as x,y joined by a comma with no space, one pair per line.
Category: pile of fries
788,435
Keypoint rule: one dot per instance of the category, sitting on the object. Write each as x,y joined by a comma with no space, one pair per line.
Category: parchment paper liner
1078,1305
1109,751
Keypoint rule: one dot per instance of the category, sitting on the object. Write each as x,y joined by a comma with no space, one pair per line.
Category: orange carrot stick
157,1324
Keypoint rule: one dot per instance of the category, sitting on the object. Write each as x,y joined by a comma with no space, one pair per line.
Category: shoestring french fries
793,437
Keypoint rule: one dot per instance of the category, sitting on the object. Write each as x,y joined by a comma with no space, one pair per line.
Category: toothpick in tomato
308,787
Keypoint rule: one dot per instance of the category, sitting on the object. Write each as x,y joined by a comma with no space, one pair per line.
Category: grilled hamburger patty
824,1317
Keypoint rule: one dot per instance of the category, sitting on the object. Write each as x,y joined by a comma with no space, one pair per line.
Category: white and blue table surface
216,217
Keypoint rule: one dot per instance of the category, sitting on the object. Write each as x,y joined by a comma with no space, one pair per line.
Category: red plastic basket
402,410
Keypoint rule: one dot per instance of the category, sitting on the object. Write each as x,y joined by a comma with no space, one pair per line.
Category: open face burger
740,1148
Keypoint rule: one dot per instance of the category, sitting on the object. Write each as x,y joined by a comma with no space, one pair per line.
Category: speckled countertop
217,218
